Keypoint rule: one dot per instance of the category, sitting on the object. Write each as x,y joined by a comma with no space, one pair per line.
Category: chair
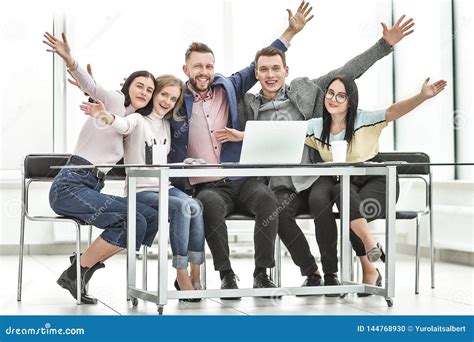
37,168
420,172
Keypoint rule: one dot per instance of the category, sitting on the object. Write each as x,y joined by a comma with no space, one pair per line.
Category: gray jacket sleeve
359,64
309,93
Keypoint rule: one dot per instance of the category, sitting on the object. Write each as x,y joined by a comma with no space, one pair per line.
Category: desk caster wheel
160,310
389,302
134,301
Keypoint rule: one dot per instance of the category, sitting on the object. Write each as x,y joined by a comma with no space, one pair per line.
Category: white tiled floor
42,296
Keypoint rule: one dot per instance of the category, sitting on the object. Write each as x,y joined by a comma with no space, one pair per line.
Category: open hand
60,47
400,30
298,21
229,134
93,109
430,90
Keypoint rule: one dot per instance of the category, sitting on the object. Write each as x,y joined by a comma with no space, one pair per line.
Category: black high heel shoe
189,300
376,253
378,283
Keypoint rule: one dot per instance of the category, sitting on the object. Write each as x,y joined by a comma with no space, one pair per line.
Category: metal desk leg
203,273
131,233
432,254
145,268
163,240
276,271
390,198
345,243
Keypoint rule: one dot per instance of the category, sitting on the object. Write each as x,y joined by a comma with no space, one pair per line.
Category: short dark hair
197,47
269,52
126,87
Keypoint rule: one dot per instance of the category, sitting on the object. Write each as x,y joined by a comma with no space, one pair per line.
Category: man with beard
210,104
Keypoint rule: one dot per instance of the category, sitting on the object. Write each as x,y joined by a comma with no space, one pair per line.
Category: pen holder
160,154
148,154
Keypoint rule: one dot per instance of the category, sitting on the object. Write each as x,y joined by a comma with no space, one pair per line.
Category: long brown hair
167,81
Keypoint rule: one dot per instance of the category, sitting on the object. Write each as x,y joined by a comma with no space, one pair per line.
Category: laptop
273,142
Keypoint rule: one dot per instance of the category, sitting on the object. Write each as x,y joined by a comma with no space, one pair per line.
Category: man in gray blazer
303,99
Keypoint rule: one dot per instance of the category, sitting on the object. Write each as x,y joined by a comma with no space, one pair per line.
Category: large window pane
26,84
428,53
464,76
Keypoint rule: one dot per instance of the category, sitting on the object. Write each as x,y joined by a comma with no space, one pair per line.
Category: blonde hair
167,80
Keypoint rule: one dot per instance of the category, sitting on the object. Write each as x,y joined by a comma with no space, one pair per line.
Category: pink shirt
208,115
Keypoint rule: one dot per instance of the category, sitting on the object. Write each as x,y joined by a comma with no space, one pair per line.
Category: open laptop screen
273,142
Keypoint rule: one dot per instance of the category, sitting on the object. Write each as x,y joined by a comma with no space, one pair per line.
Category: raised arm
245,79
398,109
298,21
113,100
358,65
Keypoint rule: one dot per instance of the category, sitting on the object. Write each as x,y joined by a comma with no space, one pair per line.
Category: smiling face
271,74
199,68
335,94
165,100
140,91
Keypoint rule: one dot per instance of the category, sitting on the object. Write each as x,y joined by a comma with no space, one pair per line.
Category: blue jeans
76,193
186,226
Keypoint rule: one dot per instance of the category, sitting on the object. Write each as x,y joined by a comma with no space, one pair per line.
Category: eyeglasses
340,97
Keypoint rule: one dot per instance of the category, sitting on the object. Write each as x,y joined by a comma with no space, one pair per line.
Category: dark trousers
367,200
245,195
291,204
